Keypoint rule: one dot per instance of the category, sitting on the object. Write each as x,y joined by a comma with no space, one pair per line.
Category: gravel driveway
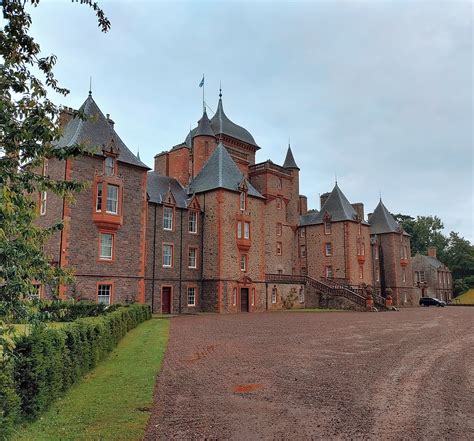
332,375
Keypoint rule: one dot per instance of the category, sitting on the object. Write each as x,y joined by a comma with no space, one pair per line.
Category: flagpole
203,102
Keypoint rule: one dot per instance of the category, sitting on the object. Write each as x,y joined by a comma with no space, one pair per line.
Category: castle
209,229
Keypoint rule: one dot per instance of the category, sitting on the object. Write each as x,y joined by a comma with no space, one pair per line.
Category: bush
9,400
68,311
48,361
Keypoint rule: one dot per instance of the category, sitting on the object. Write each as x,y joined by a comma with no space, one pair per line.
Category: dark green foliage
60,311
9,401
49,361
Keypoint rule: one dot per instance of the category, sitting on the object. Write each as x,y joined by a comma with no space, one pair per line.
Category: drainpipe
266,296
154,259
181,263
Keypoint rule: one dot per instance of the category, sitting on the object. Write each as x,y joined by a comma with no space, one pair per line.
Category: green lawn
465,299
113,402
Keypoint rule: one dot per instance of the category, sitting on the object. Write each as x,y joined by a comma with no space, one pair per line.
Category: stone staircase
328,287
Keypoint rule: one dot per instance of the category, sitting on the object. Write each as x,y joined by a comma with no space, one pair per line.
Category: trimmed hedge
49,361
68,311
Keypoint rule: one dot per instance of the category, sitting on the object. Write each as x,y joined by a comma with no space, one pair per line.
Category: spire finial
138,153
90,85
335,177
289,143
380,195
220,89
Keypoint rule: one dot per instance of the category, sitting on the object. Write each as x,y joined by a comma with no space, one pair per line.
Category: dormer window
243,201
109,166
327,227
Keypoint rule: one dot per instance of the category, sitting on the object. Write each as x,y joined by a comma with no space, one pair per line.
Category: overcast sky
379,92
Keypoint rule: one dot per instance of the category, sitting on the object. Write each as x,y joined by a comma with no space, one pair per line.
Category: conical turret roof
290,160
220,171
204,127
381,221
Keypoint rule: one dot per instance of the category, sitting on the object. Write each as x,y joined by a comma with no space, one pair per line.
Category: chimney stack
323,198
432,252
359,208
109,120
65,115
303,204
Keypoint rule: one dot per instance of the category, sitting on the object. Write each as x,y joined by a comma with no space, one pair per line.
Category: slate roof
337,206
381,221
204,126
96,133
290,160
220,171
220,123
427,260
308,218
158,187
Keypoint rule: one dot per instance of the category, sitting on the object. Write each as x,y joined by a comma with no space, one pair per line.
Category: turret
204,143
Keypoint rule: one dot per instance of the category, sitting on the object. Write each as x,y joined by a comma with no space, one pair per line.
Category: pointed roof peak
220,171
382,221
337,207
204,127
290,160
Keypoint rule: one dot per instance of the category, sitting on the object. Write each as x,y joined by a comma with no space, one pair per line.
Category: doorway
244,300
166,300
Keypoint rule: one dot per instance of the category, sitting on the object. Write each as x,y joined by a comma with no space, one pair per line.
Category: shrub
68,311
48,361
9,400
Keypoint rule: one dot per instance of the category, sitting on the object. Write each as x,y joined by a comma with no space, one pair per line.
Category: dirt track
297,375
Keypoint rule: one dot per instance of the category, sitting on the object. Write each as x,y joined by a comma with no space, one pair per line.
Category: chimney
162,163
432,252
323,198
109,120
359,208
303,204
65,115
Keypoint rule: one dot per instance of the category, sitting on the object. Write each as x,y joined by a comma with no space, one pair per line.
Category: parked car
431,301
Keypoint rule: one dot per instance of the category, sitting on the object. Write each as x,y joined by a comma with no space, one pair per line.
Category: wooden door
166,300
244,300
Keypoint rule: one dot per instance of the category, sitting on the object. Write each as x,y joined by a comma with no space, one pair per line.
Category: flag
202,82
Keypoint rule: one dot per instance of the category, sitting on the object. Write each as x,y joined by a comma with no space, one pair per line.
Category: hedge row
49,361
68,311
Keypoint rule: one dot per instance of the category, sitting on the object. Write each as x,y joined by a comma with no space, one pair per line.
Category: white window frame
191,257
168,218
113,201
243,201
328,271
302,232
234,296
243,263
327,252
102,297
43,200
109,164
279,229
274,295
99,197
239,230
327,227
247,230
193,222
301,295
103,246
167,246
279,248
191,294
361,271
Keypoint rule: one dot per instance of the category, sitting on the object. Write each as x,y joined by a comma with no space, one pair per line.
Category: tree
425,231
459,257
28,131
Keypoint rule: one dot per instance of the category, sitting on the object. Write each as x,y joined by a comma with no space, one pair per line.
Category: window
43,196
246,230
36,294
104,294
377,276
279,203
360,228
280,183
327,227
243,262
167,255
361,272
239,230
106,246
234,296
303,251
404,275
376,252
302,232
192,258
167,218
278,229
112,199
253,297
362,249
98,203
328,249
405,248
192,221
301,295
328,271
109,166
279,249
243,201
274,294
191,296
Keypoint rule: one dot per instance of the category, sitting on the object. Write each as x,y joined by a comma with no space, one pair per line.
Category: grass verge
112,402
465,299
